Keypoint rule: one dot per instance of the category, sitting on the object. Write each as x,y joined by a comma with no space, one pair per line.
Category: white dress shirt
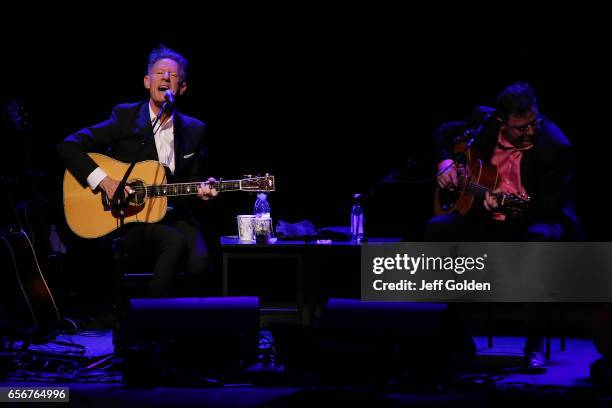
164,141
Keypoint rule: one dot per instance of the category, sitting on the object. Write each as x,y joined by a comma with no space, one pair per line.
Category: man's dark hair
516,99
162,52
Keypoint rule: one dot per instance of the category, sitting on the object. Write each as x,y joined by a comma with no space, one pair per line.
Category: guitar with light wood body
89,214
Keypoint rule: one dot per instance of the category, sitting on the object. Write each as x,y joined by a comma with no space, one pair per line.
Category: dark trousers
175,246
455,228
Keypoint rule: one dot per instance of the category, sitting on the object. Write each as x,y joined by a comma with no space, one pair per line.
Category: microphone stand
118,200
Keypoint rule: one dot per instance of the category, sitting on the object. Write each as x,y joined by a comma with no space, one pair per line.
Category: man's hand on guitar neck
110,185
447,175
491,201
207,190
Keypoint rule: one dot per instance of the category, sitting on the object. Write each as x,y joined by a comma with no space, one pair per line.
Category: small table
335,271
306,255
234,249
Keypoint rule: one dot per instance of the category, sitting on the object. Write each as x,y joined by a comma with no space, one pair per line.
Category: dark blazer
546,168
121,137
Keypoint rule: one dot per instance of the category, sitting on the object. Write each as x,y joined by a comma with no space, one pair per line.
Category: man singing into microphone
137,132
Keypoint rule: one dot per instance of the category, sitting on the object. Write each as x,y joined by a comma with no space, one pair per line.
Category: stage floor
496,378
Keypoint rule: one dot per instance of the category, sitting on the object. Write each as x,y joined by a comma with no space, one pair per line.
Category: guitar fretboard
477,190
182,189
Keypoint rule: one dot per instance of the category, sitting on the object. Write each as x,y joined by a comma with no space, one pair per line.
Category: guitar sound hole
139,196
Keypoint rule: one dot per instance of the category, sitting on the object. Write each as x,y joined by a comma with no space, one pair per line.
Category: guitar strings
179,188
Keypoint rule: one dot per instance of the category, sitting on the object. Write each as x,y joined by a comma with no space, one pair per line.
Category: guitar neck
477,190
505,200
183,189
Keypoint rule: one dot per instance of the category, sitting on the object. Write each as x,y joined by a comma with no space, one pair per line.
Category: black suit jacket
546,169
121,137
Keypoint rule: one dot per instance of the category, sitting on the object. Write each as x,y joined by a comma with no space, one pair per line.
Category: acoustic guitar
25,298
476,178
32,207
90,214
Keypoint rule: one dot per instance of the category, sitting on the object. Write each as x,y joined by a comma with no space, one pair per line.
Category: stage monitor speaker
400,318
168,340
365,343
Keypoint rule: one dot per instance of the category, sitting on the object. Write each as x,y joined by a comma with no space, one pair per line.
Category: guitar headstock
513,205
257,184
18,115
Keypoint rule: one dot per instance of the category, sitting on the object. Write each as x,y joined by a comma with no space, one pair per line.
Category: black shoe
535,362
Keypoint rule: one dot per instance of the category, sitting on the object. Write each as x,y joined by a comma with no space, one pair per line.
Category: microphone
468,134
166,108
471,134
169,96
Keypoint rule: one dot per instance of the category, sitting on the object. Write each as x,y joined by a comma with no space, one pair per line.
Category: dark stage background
330,102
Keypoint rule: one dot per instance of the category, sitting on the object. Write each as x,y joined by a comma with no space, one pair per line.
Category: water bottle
262,207
262,221
357,220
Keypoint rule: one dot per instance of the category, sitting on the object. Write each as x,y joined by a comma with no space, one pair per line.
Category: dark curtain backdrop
329,101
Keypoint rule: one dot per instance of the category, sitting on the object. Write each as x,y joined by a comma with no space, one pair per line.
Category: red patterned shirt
507,158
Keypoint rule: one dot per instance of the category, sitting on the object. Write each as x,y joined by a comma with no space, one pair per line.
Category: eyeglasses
162,74
534,124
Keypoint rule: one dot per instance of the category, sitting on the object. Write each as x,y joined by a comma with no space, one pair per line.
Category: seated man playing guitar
504,175
136,132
